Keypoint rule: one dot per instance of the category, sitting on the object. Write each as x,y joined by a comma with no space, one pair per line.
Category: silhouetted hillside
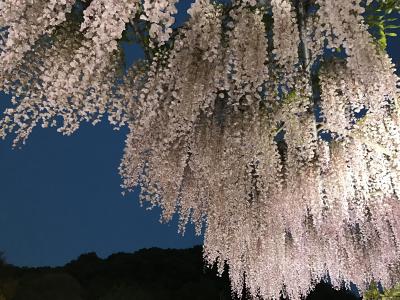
147,274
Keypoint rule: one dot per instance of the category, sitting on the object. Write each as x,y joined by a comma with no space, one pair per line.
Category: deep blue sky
61,197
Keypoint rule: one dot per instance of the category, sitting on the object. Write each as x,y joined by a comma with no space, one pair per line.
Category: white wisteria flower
272,126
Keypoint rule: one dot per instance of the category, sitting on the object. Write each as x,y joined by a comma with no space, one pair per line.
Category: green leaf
392,26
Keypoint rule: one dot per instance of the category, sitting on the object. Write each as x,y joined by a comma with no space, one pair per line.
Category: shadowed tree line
147,274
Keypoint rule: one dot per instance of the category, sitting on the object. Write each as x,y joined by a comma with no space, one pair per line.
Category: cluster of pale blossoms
226,128
160,14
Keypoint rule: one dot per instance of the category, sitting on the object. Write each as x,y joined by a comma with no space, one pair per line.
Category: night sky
61,197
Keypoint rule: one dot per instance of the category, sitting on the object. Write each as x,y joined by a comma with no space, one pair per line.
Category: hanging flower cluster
244,121
25,22
160,14
68,75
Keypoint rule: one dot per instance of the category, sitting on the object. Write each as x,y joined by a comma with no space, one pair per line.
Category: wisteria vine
272,126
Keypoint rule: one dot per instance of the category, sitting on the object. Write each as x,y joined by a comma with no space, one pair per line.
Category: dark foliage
2,259
147,274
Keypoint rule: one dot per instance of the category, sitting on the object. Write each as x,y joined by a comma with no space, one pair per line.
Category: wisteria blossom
160,14
272,126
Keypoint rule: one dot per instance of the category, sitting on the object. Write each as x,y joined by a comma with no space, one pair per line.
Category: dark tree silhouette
2,258
148,274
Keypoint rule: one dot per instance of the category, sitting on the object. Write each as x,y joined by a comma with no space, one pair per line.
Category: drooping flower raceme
24,22
69,76
160,14
284,155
